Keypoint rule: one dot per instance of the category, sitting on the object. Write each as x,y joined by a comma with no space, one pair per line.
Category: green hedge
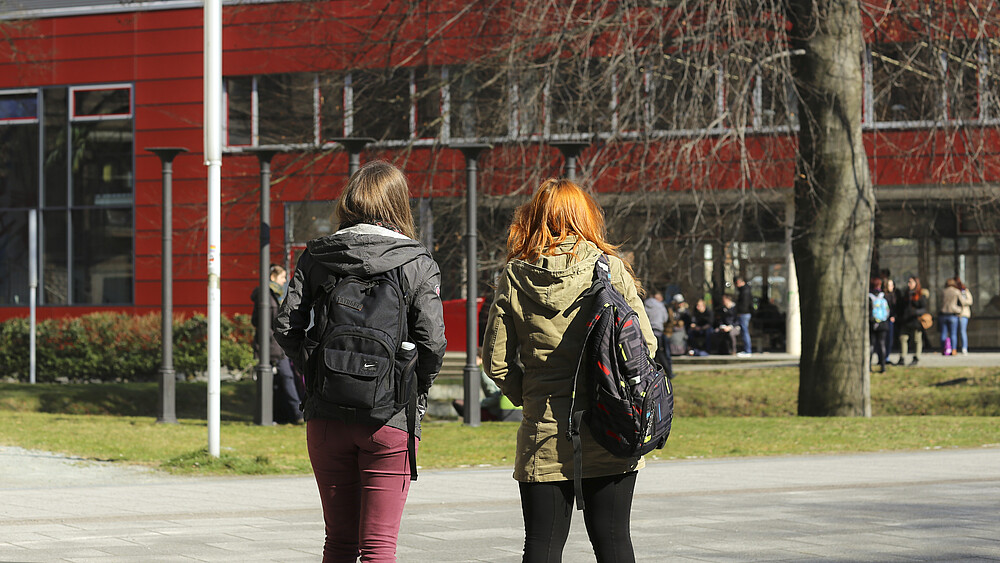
119,347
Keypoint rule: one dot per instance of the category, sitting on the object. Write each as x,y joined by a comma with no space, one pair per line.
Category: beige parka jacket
533,341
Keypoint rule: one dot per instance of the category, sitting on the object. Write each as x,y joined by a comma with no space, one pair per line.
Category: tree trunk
834,209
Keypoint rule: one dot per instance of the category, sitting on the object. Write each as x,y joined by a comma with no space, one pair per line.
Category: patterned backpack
631,402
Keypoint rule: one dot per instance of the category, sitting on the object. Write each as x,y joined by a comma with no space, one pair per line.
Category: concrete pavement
937,505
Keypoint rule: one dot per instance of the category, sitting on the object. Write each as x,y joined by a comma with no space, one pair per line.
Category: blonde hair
559,208
377,192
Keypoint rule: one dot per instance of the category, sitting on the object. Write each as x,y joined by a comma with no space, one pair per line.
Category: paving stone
936,505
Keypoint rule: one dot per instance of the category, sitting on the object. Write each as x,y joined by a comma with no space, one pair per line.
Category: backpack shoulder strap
602,271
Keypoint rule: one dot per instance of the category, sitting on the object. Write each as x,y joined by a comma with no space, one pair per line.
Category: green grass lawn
718,414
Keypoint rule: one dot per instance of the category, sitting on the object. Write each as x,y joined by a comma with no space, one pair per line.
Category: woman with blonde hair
533,340
951,307
363,469
965,300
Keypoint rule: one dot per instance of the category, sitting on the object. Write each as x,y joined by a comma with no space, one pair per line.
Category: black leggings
548,509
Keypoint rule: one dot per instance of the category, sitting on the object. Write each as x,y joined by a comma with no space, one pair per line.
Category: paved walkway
767,359
939,505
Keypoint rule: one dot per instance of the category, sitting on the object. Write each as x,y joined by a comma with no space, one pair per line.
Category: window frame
22,120
73,116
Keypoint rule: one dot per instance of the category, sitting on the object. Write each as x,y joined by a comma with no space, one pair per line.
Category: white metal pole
32,287
213,159
793,317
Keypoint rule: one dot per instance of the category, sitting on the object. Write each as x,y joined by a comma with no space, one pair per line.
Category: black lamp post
570,151
471,372
264,413
167,408
354,146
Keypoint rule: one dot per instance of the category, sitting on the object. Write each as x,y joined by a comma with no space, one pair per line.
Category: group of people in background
909,316
700,331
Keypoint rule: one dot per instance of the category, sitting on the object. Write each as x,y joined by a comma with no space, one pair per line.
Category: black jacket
366,250
910,309
726,316
277,354
702,320
744,300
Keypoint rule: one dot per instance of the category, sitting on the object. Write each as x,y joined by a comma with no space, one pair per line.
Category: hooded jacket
366,250
533,341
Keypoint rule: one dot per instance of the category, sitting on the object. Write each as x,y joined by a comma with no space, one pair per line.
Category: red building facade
87,87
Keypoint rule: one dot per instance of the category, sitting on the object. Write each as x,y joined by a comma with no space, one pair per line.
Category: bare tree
703,118
834,209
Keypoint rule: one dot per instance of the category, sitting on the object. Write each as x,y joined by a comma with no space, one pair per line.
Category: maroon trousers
363,475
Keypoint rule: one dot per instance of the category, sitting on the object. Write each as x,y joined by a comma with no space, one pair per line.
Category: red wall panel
160,52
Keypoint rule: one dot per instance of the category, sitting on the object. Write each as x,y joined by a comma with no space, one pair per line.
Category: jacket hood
364,250
556,281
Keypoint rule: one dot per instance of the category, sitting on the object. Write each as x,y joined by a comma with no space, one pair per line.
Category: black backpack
363,370
631,401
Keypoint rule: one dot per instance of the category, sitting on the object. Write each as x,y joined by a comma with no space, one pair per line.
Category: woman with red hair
533,340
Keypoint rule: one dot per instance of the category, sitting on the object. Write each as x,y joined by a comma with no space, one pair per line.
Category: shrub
118,347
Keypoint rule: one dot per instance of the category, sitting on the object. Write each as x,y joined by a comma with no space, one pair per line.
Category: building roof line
9,9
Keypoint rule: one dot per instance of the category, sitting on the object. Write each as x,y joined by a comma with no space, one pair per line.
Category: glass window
18,164
306,220
684,93
56,130
14,257
479,102
427,100
739,85
331,108
990,103
102,163
633,103
901,256
906,81
285,104
83,145
19,106
778,106
529,101
54,278
101,102
963,81
102,256
239,115
381,102
580,96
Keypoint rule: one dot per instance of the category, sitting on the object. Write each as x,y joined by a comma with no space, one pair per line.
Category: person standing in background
948,316
965,300
878,320
744,310
659,321
912,306
891,297
286,398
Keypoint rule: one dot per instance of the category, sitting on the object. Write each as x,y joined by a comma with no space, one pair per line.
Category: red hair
916,289
559,208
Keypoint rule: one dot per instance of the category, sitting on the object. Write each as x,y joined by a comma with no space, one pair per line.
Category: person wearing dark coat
877,329
911,307
727,324
286,398
701,326
744,311
893,298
